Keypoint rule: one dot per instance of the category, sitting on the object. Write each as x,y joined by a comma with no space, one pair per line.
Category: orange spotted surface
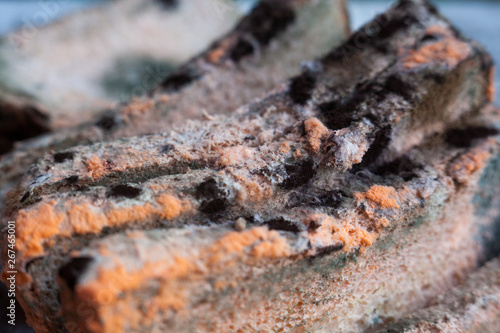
104,292
467,164
86,218
449,50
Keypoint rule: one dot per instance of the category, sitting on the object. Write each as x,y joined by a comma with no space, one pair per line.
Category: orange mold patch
384,196
333,232
316,132
96,167
33,227
449,51
467,164
104,292
39,225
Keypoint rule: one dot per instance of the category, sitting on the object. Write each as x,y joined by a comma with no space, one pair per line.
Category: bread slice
471,307
141,232
89,61
262,51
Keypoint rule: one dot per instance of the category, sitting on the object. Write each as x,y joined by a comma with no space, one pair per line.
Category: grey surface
477,19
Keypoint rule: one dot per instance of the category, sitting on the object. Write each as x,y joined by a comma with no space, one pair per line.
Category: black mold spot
400,87
72,179
430,38
333,198
126,191
73,270
402,166
301,88
213,206
213,198
241,49
25,196
20,123
437,77
299,174
464,138
167,148
328,250
337,116
282,224
169,4
177,81
267,20
381,141
313,226
107,122
64,156
398,24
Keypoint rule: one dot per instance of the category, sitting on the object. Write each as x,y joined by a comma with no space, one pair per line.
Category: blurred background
475,18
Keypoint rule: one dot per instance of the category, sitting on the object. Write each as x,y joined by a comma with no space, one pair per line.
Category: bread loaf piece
337,175
263,50
86,63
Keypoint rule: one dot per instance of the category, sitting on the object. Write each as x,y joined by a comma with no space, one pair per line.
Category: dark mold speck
167,148
380,143
301,88
179,80
397,85
25,196
107,122
241,49
336,116
402,166
249,138
283,225
464,138
73,270
333,198
64,156
213,199
72,179
328,250
299,174
125,191
265,22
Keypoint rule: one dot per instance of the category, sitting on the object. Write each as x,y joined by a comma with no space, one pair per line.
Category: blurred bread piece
93,60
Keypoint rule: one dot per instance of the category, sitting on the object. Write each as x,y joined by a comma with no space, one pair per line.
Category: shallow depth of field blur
475,18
